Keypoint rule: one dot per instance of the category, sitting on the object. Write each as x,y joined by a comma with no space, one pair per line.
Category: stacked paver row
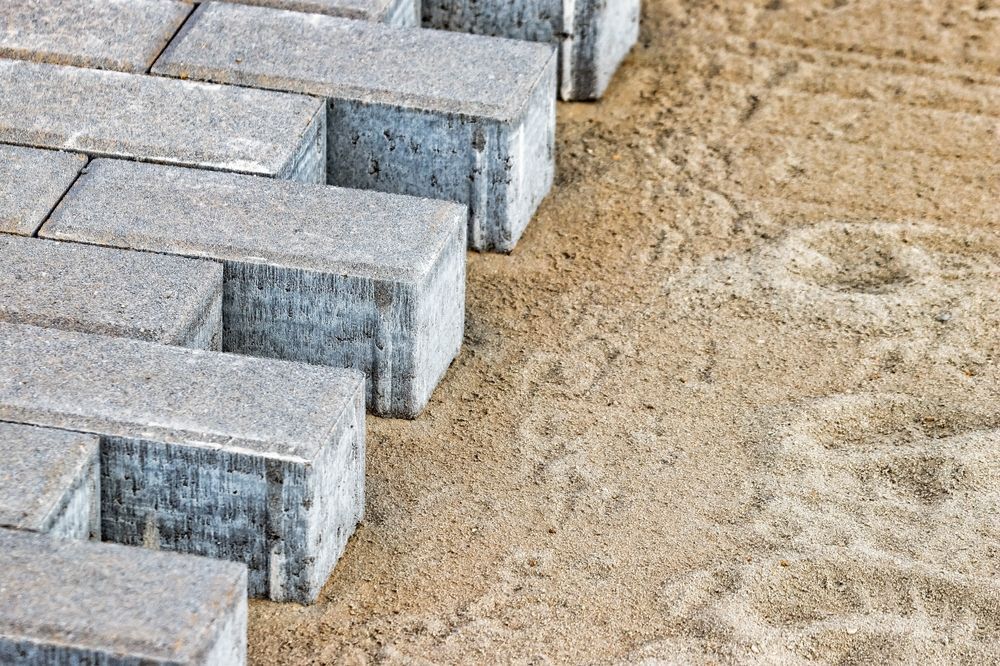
149,222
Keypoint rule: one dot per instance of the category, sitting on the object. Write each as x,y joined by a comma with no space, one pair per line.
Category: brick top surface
242,218
39,466
113,599
31,184
371,62
371,10
151,118
124,35
127,388
100,290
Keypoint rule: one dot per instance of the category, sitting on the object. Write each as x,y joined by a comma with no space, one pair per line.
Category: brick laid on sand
31,183
124,35
421,112
593,36
72,602
152,119
321,274
402,13
251,460
49,481
170,300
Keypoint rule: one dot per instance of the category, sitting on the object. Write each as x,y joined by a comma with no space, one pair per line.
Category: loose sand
734,398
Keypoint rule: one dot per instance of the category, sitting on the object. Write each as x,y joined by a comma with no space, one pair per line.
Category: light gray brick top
31,184
114,599
99,290
122,387
124,35
37,467
371,62
151,118
232,217
370,10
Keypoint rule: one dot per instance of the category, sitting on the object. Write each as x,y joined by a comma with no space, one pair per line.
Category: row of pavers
253,460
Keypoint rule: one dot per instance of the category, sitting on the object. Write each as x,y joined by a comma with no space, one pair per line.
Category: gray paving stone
313,273
402,13
593,36
251,460
153,119
73,602
141,295
421,112
49,481
124,35
31,184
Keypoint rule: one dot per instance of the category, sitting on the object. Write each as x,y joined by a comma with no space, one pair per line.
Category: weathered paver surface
154,119
421,112
122,35
251,460
403,13
593,36
31,183
320,274
141,295
49,481
72,602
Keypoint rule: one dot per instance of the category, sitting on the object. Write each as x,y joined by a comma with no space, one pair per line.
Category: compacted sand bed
734,397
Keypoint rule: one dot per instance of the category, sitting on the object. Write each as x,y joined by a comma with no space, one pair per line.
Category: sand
734,397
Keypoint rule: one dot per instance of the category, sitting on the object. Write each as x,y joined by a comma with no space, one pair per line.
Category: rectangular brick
49,481
251,460
326,275
31,184
153,119
73,602
125,35
420,112
170,300
593,36
402,13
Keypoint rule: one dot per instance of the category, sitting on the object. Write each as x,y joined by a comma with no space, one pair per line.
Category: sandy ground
734,398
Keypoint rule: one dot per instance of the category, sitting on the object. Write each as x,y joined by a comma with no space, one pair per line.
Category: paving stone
124,35
402,13
153,119
421,112
245,459
31,184
313,273
73,602
141,295
593,36
49,481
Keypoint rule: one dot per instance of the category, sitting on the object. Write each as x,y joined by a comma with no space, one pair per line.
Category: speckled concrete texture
49,481
402,13
67,602
321,274
152,119
31,184
420,112
123,35
141,295
251,460
593,36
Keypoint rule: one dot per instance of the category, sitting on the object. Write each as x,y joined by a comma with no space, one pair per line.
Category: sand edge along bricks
326,275
141,295
121,36
593,36
419,112
31,183
152,119
49,481
252,460
400,13
73,602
